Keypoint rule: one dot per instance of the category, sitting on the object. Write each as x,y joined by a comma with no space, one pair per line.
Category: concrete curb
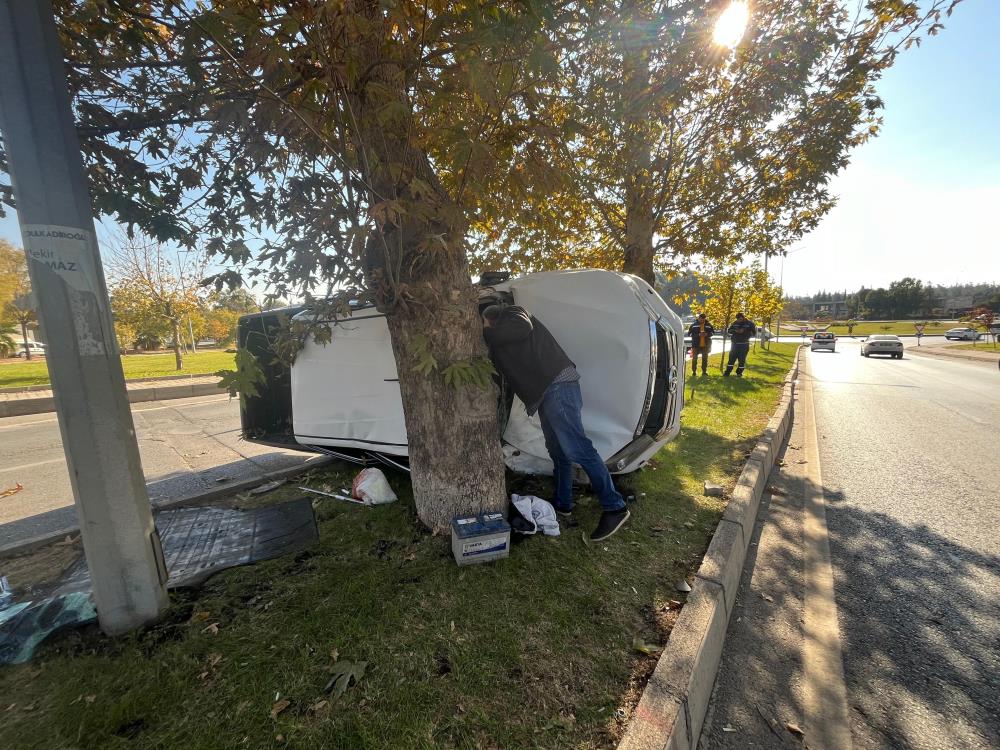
672,709
42,404
929,352
26,545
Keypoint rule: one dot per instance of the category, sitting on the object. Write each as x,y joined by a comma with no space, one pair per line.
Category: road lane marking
61,459
824,688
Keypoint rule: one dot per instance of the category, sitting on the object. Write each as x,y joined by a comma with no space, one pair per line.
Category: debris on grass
279,707
713,490
640,645
267,487
794,729
683,586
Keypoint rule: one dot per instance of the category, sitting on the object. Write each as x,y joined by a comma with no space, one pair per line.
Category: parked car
882,344
823,340
962,334
37,349
343,398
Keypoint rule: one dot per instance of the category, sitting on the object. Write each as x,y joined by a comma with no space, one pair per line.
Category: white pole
53,207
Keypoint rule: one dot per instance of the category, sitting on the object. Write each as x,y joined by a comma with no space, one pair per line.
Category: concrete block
742,509
691,660
754,476
723,561
166,392
206,389
20,407
658,719
763,454
138,395
713,490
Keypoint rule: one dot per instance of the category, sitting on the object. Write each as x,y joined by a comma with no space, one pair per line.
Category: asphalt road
909,471
187,446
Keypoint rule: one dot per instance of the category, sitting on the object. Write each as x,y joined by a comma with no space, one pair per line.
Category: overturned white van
343,398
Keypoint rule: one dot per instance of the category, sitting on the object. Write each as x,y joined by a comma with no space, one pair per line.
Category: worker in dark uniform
546,380
741,331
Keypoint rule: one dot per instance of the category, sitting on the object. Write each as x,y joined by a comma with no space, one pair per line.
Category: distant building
834,308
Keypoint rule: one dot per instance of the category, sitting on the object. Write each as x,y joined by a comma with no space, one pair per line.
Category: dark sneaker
564,512
610,522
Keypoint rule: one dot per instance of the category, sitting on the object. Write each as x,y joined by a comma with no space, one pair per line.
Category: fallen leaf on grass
267,487
200,616
728,728
794,729
280,706
658,529
12,490
214,659
89,699
212,629
334,654
318,706
345,673
638,644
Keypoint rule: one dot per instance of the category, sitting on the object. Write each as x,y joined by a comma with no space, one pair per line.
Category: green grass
987,344
897,327
534,651
136,366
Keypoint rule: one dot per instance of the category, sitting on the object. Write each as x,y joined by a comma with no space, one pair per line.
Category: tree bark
178,357
639,218
24,338
416,262
456,466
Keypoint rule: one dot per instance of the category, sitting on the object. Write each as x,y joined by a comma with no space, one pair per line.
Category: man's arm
514,324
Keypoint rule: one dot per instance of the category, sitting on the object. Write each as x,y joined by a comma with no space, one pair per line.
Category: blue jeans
567,444
738,353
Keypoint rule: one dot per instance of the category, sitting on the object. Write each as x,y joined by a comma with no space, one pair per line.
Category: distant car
962,334
36,348
882,344
823,340
342,398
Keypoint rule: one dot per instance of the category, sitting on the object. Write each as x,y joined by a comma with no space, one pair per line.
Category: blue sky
923,199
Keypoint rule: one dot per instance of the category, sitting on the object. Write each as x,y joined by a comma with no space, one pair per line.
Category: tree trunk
178,357
24,338
456,465
639,219
417,263
639,238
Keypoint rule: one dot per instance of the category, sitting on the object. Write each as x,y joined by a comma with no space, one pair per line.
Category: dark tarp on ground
197,543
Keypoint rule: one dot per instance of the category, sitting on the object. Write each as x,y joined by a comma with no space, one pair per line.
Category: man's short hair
740,315
492,312
702,315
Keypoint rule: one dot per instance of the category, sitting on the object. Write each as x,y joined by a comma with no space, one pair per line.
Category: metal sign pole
53,205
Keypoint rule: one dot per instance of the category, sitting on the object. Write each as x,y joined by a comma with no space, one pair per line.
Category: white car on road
343,398
823,340
883,343
37,349
962,334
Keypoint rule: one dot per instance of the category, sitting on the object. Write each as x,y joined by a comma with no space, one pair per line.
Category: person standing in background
741,331
701,332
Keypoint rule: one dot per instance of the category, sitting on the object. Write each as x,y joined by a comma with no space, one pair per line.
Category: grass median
136,367
895,327
544,649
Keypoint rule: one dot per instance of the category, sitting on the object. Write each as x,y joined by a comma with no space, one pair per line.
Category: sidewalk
21,402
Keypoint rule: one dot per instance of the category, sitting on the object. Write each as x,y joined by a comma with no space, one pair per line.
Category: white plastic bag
371,486
539,512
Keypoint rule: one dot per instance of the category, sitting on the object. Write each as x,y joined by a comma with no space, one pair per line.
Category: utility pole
53,206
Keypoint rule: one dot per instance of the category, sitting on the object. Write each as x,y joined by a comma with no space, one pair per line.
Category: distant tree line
907,298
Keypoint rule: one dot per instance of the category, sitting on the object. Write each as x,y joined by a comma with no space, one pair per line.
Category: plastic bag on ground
371,486
538,511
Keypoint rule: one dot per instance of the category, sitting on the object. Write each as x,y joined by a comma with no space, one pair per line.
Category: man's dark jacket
695,333
525,353
742,331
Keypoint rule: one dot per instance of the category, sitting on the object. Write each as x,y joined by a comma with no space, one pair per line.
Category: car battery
477,539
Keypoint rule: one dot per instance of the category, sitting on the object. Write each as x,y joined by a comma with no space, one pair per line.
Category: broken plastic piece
683,586
371,486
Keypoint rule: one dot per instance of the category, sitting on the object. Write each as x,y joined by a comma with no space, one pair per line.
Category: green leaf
345,673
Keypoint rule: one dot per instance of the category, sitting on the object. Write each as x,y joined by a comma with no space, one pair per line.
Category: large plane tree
339,146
